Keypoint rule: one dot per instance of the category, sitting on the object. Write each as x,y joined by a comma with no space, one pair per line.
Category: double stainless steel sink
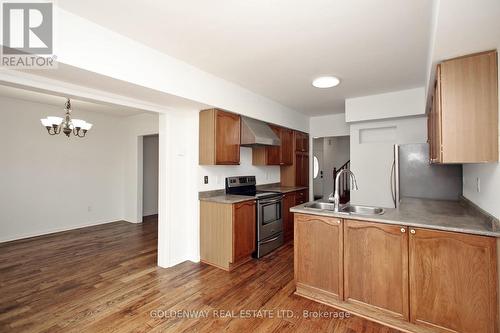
346,209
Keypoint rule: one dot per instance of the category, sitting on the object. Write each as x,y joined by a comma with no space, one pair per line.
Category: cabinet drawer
301,197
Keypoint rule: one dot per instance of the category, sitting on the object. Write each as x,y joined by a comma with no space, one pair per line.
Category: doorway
331,154
150,172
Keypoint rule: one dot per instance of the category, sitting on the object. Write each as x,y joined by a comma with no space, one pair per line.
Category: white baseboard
9,238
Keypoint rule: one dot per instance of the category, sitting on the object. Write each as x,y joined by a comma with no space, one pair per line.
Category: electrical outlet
478,184
205,180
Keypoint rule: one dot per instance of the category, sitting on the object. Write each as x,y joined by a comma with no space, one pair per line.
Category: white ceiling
275,48
58,101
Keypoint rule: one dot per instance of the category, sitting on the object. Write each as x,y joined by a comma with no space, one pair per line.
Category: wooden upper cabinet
318,254
243,230
434,120
376,267
286,136
278,155
219,137
464,115
453,281
274,153
301,141
301,169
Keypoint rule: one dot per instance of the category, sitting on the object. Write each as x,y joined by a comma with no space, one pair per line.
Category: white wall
136,127
489,177
217,173
401,103
372,155
54,183
330,125
150,175
178,211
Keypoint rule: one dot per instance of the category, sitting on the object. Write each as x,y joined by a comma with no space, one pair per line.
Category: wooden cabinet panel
301,169
453,284
227,142
301,196
301,142
435,135
318,254
286,146
288,202
227,233
219,138
464,115
376,267
279,155
297,174
243,230
274,153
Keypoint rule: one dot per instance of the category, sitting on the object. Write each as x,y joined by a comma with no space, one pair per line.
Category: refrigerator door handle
396,178
392,181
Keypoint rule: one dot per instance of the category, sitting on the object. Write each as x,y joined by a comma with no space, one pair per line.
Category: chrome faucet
335,197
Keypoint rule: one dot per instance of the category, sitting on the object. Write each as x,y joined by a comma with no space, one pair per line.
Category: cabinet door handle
403,230
412,231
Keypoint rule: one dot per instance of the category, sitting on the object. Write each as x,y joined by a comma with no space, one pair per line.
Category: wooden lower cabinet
453,281
376,267
414,280
318,255
288,202
243,230
302,196
227,233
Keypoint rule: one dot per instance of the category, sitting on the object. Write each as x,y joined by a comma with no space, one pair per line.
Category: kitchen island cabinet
412,279
318,255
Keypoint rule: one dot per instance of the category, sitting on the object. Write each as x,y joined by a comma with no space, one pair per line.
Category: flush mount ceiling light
55,125
325,82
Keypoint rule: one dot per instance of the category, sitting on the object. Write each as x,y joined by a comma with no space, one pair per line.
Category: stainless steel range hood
257,133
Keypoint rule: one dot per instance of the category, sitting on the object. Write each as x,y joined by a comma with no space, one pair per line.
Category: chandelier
56,125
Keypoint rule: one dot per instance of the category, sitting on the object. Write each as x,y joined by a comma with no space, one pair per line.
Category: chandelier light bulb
66,125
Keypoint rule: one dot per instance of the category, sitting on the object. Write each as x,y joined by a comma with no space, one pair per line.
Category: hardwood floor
105,279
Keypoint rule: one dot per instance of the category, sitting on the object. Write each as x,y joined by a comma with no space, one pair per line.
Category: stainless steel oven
269,222
269,217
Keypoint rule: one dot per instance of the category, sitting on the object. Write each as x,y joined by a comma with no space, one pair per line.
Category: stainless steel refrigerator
413,176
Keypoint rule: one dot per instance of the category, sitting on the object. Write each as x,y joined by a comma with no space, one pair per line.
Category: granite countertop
279,188
221,197
456,216
227,198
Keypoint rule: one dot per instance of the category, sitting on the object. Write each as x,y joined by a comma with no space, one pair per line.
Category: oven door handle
265,202
270,240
